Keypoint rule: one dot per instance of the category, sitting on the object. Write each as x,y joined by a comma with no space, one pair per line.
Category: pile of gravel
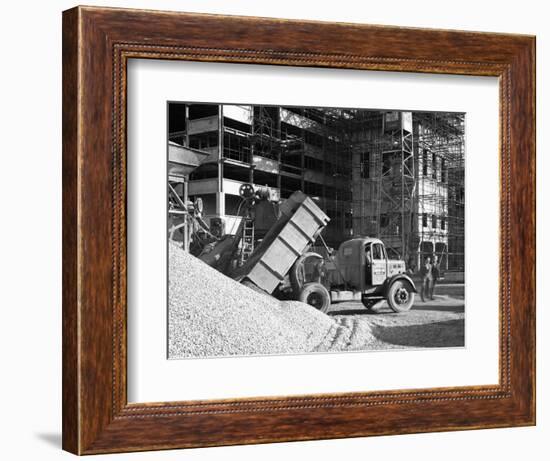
212,315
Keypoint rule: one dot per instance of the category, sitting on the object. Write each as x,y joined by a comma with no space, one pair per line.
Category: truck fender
388,282
296,281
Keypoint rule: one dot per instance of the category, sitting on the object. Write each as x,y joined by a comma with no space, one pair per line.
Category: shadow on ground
362,311
449,333
384,310
53,439
439,308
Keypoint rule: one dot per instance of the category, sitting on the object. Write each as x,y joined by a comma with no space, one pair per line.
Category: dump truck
279,261
284,265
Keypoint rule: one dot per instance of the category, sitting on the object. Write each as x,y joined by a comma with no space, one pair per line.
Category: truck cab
364,263
362,266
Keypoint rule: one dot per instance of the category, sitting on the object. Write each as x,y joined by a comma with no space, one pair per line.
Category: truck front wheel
315,295
400,296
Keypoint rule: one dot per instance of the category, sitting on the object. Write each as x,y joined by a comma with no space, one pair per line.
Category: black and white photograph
265,231
296,230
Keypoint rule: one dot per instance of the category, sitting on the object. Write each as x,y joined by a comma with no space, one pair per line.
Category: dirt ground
437,323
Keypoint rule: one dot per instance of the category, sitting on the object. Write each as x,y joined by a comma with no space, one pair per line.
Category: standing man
435,275
426,274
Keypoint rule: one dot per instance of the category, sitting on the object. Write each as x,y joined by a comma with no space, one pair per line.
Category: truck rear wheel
315,295
400,296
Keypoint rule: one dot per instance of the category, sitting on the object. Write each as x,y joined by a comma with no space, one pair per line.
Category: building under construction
398,176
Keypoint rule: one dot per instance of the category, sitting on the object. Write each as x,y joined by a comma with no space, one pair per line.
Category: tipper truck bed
297,228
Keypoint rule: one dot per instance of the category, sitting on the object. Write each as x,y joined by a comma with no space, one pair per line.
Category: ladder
247,239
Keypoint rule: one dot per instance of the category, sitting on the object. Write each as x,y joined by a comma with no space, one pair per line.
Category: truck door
378,264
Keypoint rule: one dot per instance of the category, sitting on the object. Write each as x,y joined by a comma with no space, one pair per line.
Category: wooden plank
71,366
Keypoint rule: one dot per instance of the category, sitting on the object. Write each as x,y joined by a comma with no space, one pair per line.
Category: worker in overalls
427,278
435,275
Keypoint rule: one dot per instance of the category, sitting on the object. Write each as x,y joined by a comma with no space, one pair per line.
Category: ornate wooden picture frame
97,44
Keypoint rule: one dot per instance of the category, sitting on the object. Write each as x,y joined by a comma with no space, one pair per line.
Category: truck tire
400,296
315,295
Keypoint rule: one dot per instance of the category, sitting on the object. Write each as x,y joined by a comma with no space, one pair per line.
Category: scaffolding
441,186
408,183
395,175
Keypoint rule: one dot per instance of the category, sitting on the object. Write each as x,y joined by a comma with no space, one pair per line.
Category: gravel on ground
213,315
435,323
